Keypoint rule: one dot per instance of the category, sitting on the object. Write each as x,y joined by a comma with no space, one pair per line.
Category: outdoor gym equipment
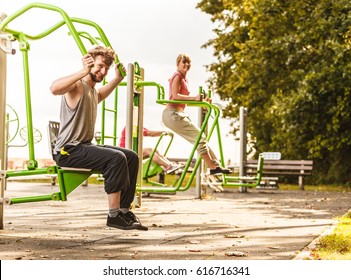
12,121
12,126
150,168
178,186
209,110
68,179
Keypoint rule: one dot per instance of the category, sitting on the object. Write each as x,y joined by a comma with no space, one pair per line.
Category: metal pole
243,144
2,125
130,106
138,196
198,189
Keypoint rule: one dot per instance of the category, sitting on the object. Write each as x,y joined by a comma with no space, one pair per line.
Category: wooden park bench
273,169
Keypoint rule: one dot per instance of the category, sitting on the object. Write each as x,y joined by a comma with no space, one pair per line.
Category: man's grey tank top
77,125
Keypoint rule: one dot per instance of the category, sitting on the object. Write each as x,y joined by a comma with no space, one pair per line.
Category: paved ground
257,225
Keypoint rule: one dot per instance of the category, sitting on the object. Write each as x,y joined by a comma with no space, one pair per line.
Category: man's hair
183,57
106,52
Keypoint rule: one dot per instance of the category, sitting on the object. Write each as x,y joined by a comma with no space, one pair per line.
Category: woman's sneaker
220,170
172,168
125,222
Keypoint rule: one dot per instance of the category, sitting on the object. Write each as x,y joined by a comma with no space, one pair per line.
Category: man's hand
88,63
118,72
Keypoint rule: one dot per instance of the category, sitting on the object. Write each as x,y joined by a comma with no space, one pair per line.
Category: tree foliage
288,63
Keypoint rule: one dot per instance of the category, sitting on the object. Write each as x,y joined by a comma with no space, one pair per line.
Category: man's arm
106,90
68,83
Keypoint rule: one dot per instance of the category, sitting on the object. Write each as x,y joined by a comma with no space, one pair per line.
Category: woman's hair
106,52
183,57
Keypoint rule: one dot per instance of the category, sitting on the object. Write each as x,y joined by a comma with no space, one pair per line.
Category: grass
321,188
337,245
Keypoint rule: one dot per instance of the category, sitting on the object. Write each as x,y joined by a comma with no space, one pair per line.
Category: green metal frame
151,169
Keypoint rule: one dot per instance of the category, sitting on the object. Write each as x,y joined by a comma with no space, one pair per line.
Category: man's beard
94,78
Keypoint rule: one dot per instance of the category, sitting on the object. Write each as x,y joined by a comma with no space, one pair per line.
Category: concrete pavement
257,225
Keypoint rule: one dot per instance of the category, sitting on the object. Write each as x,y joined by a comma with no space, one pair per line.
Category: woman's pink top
122,139
183,89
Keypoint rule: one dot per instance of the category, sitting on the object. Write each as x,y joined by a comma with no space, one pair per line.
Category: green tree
288,62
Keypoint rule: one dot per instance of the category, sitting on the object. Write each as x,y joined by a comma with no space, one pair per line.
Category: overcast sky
151,33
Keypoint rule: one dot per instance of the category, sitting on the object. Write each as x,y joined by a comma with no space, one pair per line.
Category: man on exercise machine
74,147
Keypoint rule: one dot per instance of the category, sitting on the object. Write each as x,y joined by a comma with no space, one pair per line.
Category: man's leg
128,193
113,165
114,200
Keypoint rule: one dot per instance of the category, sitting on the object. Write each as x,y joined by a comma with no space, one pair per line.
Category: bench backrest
282,167
53,130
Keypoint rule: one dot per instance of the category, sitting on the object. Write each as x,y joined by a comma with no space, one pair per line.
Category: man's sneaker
133,220
119,222
171,169
219,170
123,221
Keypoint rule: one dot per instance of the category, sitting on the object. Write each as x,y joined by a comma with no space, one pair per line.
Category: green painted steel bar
66,21
148,165
64,15
255,181
102,35
159,88
39,198
115,118
91,39
38,171
24,48
111,110
63,193
103,120
47,32
135,142
103,38
217,113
